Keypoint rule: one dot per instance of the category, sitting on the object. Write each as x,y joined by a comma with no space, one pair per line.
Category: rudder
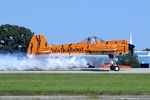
37,45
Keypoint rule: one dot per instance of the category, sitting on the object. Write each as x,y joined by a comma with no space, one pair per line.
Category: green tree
128,59
147,49
14,38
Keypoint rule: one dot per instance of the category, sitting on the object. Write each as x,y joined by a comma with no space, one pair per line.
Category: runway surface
127,97
92,70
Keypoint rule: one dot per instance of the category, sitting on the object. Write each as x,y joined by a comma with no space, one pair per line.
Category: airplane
90,46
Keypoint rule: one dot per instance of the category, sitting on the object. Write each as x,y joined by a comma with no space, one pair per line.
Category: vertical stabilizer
37,45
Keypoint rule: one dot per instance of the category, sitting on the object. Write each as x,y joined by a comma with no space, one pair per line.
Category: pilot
88,40
96,40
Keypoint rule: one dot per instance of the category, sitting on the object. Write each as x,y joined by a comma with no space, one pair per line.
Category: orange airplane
90,46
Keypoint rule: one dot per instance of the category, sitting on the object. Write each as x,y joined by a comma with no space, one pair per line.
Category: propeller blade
131,38
131,45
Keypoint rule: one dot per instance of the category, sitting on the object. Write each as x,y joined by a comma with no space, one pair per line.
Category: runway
92,70
80,97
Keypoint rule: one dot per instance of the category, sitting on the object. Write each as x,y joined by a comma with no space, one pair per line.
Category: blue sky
68,21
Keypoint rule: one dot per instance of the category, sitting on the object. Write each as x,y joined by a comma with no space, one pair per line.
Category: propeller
131,45
131,38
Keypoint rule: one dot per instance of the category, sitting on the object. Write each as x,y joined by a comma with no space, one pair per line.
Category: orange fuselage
39,45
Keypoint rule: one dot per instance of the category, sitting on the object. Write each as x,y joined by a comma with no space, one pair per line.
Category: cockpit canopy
93,40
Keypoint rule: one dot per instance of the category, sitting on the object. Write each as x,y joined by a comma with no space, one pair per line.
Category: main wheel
111,67
116,68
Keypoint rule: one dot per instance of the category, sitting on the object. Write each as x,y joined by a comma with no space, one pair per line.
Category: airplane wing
101,51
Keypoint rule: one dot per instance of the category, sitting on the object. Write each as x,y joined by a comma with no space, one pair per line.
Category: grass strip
74,84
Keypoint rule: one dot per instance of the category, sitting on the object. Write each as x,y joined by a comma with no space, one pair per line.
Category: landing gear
114,68
113,64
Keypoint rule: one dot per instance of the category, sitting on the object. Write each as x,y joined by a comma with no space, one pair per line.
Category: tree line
14,38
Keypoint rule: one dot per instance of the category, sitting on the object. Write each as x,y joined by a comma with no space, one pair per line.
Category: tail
38,45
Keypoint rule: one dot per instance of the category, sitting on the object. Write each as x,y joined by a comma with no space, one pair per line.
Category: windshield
93,39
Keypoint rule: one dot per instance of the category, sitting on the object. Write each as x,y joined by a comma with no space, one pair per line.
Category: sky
69,21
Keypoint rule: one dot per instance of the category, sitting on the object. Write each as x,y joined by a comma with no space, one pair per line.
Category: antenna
131,38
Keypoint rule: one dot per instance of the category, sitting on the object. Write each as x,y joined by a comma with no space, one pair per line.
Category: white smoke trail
20,62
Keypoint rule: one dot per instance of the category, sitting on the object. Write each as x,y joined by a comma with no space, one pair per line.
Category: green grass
74,84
